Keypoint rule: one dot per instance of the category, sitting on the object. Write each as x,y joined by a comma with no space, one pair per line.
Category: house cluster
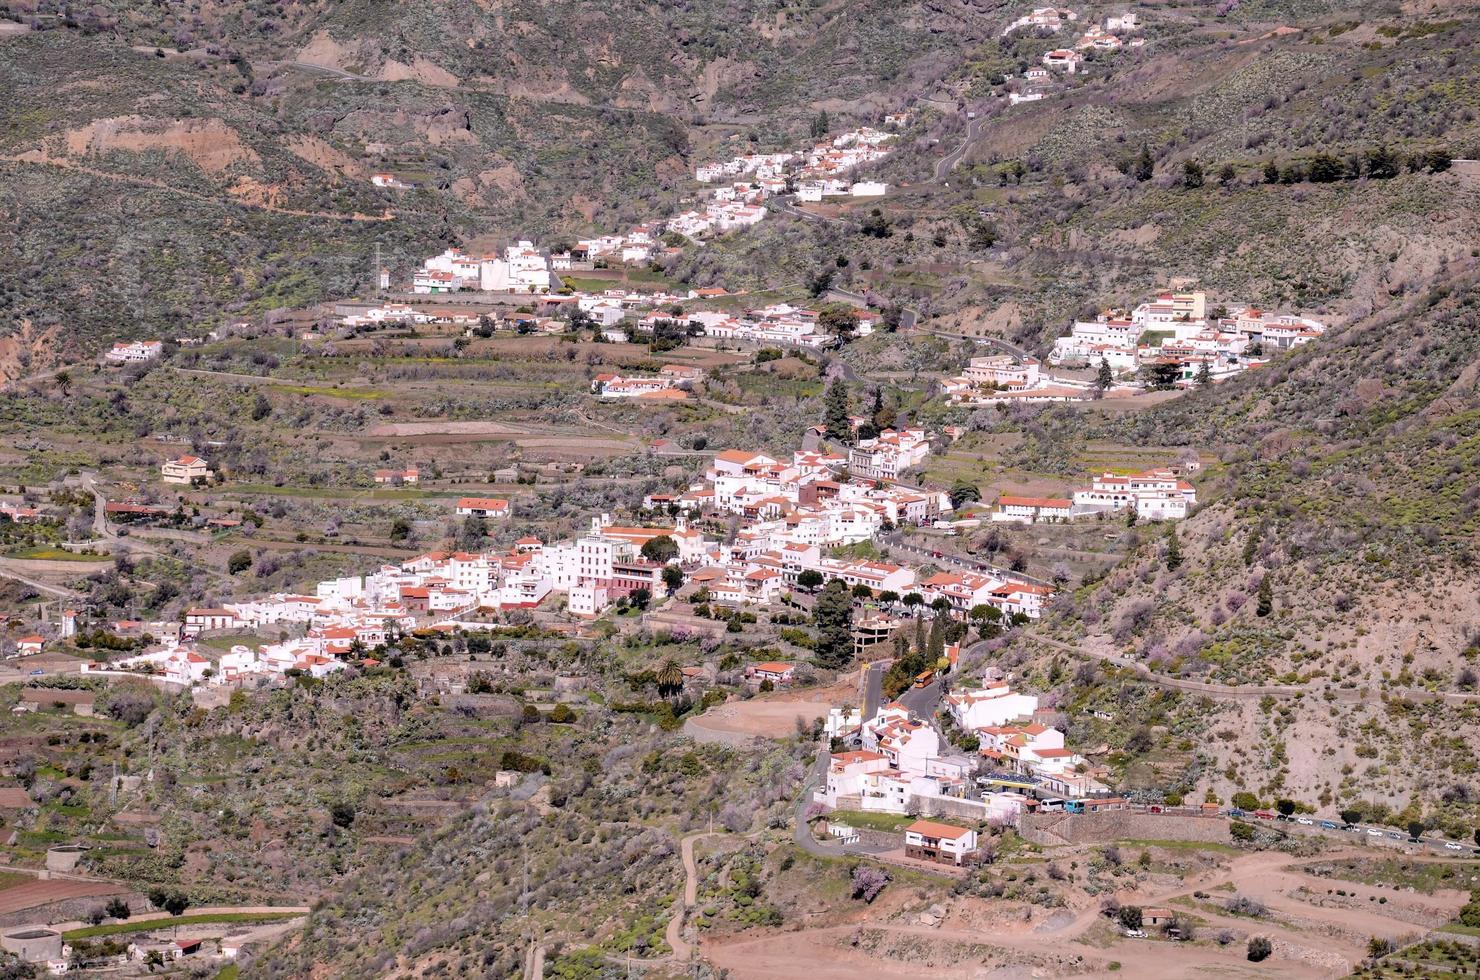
1046,19
1106,37
823,170
671,384
780,323
1177,333
1110,34
135,352
1152,495
791,511
898,763
1002,379
521,268
19,512
1011,741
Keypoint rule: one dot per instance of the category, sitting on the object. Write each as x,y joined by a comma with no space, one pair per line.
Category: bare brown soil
976,937
33,893
768,719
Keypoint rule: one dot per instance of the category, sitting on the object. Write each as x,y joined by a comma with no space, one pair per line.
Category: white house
482,507
588,601
1031,510
185,471
995,704
135,353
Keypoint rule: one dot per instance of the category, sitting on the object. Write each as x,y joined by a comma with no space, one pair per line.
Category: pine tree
832,615
919,635
1104,378
936,646
1265,604
1174,551
1144,166
835,411
1204,375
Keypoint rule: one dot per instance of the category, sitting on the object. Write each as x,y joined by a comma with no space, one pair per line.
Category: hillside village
812,174
861,490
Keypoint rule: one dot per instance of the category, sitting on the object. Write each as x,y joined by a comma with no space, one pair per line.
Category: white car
1135,934
1452,846
1305,821
1373,833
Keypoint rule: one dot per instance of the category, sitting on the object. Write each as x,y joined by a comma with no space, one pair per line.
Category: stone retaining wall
1113,825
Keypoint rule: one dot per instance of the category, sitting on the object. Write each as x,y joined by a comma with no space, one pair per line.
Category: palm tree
669,678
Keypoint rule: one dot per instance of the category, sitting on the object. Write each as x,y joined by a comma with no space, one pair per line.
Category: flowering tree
868,881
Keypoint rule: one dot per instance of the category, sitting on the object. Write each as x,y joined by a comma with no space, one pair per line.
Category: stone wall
1113,825
947,806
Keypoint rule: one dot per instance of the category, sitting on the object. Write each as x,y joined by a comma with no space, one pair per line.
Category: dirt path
1311,940
161,185
674,933
1254,692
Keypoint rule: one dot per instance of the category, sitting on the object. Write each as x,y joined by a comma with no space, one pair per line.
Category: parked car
1452,846
1394,835
1236,812
37,672
1305,821
1330,825
1135,934
1373,833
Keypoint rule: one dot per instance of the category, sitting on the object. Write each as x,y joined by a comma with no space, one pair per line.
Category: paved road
947,163
996,342
896,540
873,688
922,701
802,834
51,590
1252,692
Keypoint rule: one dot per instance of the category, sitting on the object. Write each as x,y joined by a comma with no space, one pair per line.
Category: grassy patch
146,925
358,394
1185,846
346,493
42,553
1421,876
1459,929
871,821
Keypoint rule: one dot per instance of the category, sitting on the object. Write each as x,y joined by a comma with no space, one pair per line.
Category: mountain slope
1337,549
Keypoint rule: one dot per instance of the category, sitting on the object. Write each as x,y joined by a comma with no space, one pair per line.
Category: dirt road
1311,938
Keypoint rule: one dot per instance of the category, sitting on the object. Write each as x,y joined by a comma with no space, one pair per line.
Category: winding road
226,200
1253,692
